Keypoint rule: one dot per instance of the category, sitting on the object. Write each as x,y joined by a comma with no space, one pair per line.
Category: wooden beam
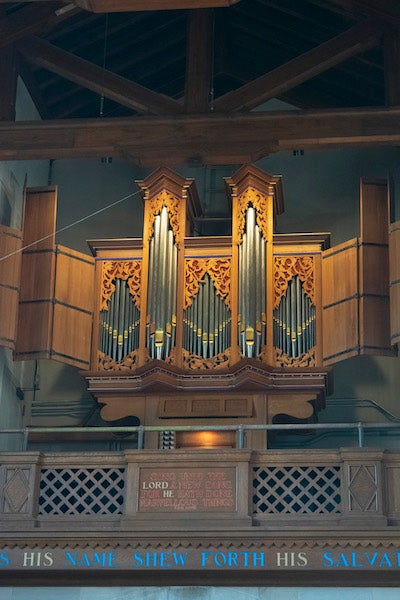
381,10
8,78
199,57
96,78
32,18
392,69
356,40
99,6
211,139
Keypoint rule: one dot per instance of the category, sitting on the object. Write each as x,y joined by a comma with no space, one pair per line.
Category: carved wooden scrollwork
192,361
307,359
155,205
260,203
106,363
286,267
219,270
129,270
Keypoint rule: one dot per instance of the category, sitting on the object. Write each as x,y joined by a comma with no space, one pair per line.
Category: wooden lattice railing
138,488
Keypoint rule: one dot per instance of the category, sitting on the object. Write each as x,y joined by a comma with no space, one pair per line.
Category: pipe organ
185,327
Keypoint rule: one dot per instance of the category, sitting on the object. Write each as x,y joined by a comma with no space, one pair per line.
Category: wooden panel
34,328
35,307
374,268
56,307
72,330
10,270
394,276
40,218
340,320
374,211
74,278
8,311
37,276
200,406
73,309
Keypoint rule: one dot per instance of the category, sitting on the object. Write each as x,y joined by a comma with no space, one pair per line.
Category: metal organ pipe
161,299
294,321
252,288
207,322
119,323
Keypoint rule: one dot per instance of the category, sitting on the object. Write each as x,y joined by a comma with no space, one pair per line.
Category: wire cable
70,225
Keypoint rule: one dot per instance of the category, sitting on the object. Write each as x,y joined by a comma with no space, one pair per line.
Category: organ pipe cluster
207,322
252,276
161,295
119,324
294,321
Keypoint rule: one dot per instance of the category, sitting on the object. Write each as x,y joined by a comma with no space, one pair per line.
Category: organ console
175,328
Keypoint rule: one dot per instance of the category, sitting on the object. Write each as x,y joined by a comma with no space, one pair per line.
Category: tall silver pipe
298,316
211,327
121,319
263,292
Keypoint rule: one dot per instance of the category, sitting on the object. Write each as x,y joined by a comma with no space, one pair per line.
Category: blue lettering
220,559
260,559
138,559
397,554
70,557
354,560
371,559
151,560
164,559
233,559
342,562
84,562
329,562
105,559
4,559
179,559
205,558
385,561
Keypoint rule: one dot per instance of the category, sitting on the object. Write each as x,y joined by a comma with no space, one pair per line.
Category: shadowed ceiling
228,59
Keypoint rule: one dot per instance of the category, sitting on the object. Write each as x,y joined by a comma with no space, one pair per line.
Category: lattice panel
296,490
80,491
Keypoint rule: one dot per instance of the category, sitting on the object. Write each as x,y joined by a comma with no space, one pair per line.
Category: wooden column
199,60
392,71
8,79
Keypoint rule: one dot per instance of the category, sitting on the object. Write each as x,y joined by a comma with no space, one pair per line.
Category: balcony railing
146,489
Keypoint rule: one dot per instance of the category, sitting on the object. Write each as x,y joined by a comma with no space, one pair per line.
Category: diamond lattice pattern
79,491
296,490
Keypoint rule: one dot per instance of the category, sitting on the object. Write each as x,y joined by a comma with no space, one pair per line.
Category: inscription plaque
196,489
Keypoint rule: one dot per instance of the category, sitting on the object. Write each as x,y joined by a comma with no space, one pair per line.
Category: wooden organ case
202,331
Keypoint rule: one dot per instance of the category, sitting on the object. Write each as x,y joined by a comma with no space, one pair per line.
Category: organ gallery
175,328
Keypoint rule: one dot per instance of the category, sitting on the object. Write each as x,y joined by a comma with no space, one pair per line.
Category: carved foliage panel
219,270
172,203
286,267
129,270
261,203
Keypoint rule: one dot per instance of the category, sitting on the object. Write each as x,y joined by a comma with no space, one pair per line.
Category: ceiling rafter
97,79
383,10
357,39
212,139
32,18
133,5
199,58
